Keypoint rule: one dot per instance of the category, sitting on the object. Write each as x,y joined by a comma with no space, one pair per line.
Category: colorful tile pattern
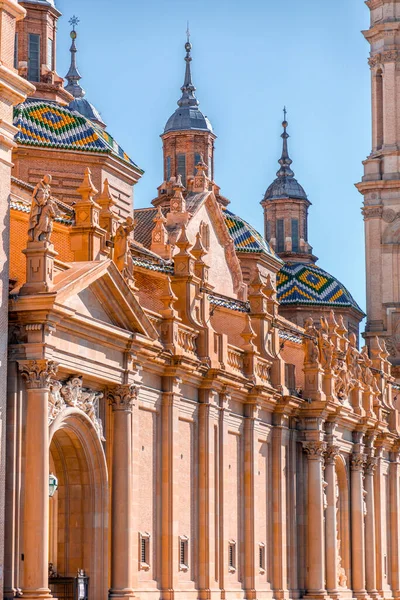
50,125
303,283
245,237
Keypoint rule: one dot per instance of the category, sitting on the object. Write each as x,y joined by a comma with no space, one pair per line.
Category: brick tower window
33,57
196,161
295,235
50,53
181,167
168,168
280,235
16,52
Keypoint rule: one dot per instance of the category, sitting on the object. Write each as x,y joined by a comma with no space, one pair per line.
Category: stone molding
37,374
71,394
370,465
315,450
123,397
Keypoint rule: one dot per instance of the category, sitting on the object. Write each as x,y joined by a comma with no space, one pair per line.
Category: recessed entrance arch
79,508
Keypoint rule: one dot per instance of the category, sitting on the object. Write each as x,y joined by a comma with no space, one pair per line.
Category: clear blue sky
249,59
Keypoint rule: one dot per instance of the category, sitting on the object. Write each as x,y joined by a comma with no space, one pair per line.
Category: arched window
181,167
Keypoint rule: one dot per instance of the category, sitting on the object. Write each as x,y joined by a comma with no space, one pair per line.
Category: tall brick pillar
13,89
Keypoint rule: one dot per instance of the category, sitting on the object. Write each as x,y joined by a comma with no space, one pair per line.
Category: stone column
249,492
394,502
370,536
357,525
315,578
122,561
37,375
169,464
279,506
331,525
208,494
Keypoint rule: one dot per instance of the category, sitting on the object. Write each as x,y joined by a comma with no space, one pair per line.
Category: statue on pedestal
43,212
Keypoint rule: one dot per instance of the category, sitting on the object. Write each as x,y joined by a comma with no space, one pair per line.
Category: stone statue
326,346
43,212
310,343
121,243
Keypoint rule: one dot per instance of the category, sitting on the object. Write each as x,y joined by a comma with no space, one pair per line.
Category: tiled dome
307,284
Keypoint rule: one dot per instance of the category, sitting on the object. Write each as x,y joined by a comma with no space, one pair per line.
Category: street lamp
53,484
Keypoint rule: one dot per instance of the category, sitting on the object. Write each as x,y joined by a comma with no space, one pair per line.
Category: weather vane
284,113
73,21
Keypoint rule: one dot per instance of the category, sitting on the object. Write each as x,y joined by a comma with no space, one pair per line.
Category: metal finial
73,76
284,113
73,21
188,33
285,161
188,98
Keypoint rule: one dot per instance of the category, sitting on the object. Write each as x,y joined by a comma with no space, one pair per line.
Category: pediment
98,291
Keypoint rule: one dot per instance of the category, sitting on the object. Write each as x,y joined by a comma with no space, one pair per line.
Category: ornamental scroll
71,394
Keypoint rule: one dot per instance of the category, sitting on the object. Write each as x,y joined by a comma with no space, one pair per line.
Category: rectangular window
50,54
261,557
232,556
144,551
183,553
196,160
34,57
280,235
181,167
210,169
290,378
168,168
268,231
295,235
16,51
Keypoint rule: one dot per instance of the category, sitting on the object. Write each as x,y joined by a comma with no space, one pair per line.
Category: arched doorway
78,510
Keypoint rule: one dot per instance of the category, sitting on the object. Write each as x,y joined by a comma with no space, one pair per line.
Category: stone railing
235,359
187,340
263,369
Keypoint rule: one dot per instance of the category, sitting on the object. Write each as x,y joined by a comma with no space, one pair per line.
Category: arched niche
79,508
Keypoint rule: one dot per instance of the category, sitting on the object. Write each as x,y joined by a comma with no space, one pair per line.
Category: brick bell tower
380,184
35,50
188,135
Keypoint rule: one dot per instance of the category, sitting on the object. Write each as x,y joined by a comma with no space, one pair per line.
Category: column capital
331,453
37,374
370,465
123,397
314,450
357,461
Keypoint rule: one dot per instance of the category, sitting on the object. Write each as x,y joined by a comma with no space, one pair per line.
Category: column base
40,594
316,595
121,594
362,595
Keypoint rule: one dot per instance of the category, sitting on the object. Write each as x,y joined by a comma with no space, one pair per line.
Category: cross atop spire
188,98
285,161
73,76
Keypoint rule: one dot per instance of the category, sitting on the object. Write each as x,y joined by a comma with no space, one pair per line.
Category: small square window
183,553
144,551
261,554
232,556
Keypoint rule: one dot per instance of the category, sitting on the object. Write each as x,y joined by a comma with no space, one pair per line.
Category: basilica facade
185,408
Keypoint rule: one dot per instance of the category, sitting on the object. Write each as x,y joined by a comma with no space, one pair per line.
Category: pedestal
39,267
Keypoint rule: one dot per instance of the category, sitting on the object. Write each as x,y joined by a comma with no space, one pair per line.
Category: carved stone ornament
71,394
357,461
374,60
314,449
331,453
370,465
123,397
372,212
310,343
389,215
37,374
390,56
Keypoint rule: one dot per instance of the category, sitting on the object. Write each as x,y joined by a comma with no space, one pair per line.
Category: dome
305,284
86,109
285,187
187,117
245,237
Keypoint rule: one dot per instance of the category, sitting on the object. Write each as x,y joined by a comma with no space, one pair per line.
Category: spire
188,98
285,161
73,76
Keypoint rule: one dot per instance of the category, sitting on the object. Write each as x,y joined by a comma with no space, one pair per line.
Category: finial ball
73,34
284,124
188,46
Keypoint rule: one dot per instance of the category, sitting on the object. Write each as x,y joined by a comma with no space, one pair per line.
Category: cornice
13,87
13,8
